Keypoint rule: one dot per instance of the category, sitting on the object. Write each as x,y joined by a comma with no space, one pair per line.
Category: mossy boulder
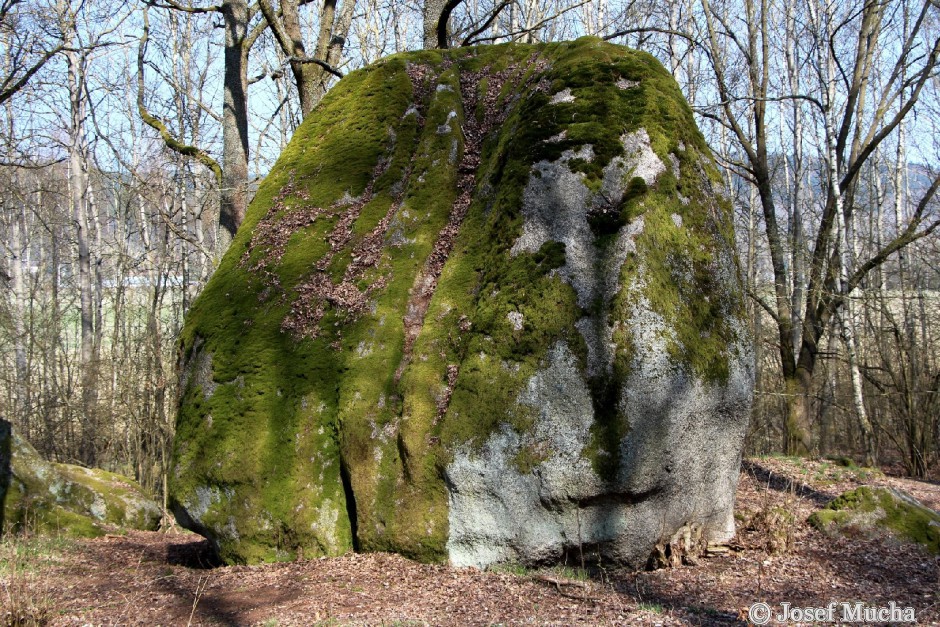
485,308
874,511
51,498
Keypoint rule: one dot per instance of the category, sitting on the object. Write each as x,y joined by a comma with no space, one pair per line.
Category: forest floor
158,578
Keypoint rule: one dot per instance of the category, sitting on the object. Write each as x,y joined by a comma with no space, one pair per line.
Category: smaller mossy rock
51,498
870,511
844,461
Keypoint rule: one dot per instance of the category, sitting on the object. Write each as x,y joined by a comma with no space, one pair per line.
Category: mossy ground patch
867,509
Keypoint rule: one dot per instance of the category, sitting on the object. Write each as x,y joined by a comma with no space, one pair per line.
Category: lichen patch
564,95
642,159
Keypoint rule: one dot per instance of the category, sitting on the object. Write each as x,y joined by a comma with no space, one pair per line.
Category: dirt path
167,578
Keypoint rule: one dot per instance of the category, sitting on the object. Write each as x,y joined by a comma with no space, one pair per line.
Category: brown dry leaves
318,290
154,578
493,110
270,236
351,295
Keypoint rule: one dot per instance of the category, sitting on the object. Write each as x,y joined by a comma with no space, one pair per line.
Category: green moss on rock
372,317
866,510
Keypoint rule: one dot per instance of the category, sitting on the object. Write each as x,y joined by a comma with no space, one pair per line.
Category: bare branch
442,20
176,6
326,66
908,236
538,24
171,142
468,40
651,29
8,90
30,166
764,305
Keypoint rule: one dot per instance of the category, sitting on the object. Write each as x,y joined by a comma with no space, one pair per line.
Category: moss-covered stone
62,499
874,511
395,300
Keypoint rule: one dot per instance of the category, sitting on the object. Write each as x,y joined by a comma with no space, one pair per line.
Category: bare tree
436,14
240,35
311,73
30,38
851,119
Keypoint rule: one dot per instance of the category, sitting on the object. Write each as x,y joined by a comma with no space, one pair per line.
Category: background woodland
133,133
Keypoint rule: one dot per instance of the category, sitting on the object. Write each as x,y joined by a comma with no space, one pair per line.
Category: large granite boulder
484,309
45,497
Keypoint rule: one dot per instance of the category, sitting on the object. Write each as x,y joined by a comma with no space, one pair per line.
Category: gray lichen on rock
539,516
502,512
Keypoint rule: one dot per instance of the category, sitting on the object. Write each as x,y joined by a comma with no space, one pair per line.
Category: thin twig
200,589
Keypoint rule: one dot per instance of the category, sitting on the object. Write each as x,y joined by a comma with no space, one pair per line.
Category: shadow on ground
195,554
782,483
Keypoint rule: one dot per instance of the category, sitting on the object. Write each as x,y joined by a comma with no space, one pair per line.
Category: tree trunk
80,199
432,11
18,297
797,429
312,79
52,383
858,399
234,193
